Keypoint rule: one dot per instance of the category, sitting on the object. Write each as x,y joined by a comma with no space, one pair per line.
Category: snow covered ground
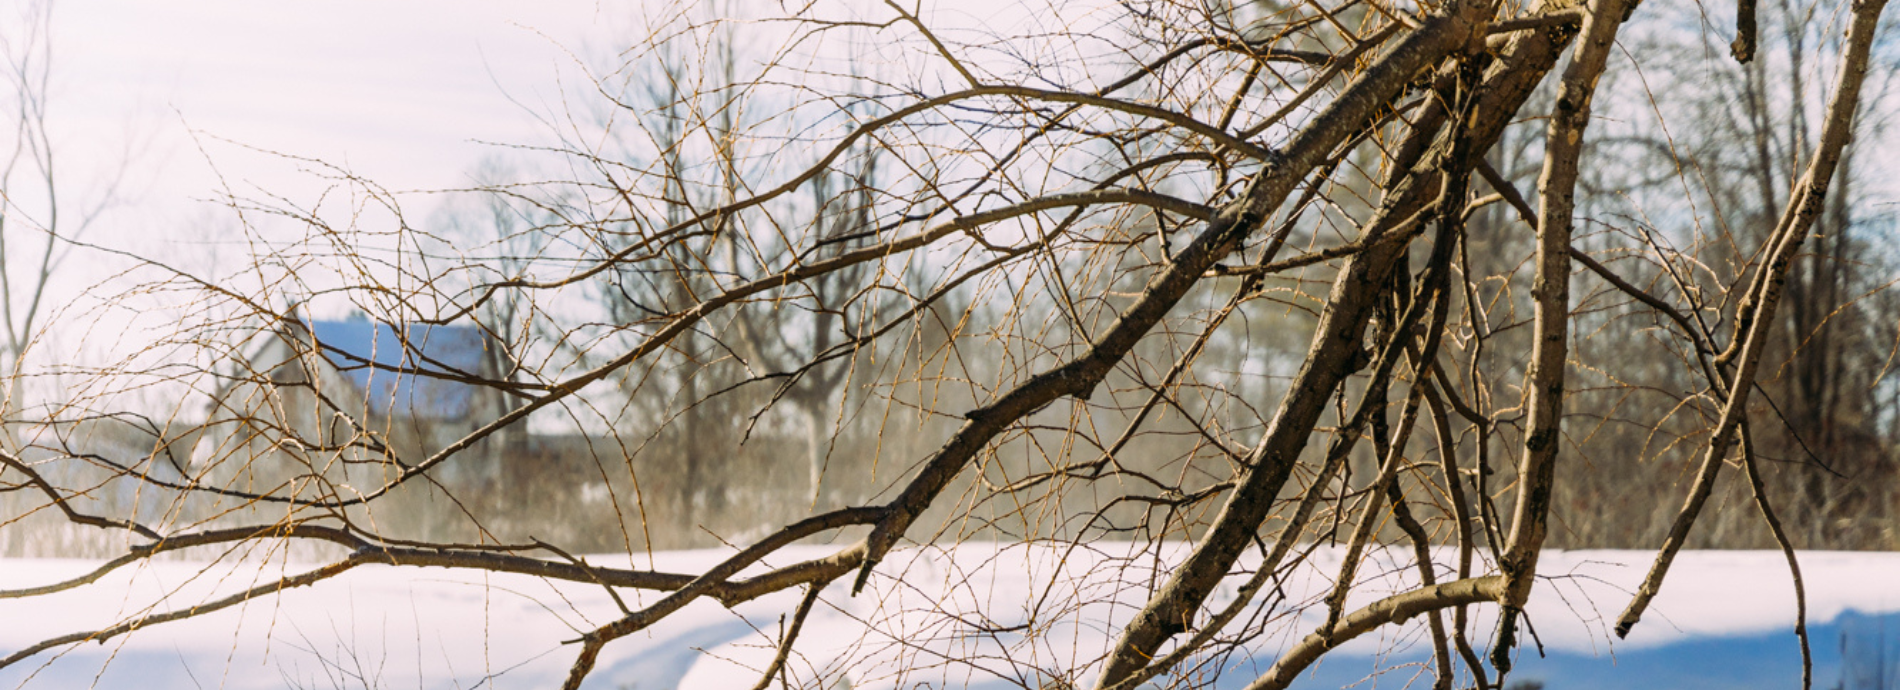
977,615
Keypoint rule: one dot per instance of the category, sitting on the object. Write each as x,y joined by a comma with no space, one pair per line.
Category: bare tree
1031,282
37,208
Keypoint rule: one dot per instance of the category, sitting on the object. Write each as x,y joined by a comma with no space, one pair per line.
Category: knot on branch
1507,640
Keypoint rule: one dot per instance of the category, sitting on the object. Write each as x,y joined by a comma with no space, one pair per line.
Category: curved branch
103,634
1397,608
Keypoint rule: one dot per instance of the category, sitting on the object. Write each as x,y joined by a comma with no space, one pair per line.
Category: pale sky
398,91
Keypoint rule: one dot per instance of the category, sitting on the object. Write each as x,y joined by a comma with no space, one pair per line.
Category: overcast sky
400,92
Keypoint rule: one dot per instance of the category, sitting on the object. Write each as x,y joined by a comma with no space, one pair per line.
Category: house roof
351,347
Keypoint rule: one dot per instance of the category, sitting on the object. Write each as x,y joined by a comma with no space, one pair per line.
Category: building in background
314,397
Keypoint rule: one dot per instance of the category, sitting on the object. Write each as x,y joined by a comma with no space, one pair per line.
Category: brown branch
1804,205
101,635
1397,608
1743,49
1461,515
777,667
1427,576
1524,59
1404,232
59,501
728,592
1787,552
684,321
1542,21
1551,291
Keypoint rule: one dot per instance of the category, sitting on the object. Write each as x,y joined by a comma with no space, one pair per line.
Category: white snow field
974,615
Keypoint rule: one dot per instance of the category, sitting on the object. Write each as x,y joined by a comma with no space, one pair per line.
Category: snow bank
975,615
